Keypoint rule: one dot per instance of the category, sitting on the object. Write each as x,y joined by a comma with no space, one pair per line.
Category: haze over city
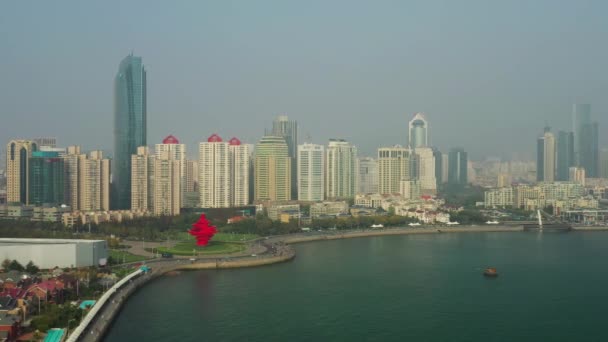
488,75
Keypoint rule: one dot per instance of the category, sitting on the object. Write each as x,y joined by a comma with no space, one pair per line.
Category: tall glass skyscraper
288,129
418,131
586,150
129,125
565,155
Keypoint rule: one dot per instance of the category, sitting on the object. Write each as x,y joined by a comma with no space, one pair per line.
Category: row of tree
14,265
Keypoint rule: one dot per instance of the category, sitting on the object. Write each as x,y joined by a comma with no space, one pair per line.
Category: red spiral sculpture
202,231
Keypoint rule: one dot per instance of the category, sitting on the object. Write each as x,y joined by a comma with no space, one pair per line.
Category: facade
367,181
577,175
585,139
311,167
565,155
458,167
604,163
214,173
46,173
240,161
418,131
328,209
87,180
46,142
51,253
272,175
410,189
288,129
141,176
341,171
166,186
130,126
393,168
424,165
18,153
498,198
173,150
545,158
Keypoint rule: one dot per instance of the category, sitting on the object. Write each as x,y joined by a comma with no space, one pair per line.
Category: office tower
46,179
214,173
565,155
410,189
272,170
311,167
504,180
438,166
577,175
71,180
418,131
191,176
18,153
445,170
603,163
130,132
545,159
424,164
288,129
458,167
45,142
585,139
240,162
368,175
341,169
393,167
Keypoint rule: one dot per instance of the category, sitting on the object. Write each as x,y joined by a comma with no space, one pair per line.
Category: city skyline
462,85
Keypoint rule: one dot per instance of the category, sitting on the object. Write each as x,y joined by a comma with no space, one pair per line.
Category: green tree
6,264
31,268
16,266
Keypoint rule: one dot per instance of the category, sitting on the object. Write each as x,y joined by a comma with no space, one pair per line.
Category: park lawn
118,255
219,237
214,247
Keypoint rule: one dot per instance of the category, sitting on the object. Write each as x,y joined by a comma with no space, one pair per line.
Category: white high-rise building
18,153
368,176
418,131
425,170
311,165
141,179
214,173
167,195
171,149
341,169
393,167
240,161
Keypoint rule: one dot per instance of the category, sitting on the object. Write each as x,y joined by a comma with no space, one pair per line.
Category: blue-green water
552,287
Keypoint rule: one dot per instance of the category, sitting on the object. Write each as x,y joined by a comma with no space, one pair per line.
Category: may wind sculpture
202,231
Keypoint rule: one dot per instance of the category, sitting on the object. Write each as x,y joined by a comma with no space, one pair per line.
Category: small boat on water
490,272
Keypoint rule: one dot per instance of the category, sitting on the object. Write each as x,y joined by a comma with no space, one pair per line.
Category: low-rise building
275,210
328,208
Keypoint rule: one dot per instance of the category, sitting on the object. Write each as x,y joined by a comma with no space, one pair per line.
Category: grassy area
118,256
214,247
219,237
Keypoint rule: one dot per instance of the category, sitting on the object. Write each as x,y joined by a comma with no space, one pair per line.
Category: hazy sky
489,74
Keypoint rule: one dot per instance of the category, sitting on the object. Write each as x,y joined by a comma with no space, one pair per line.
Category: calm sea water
552,287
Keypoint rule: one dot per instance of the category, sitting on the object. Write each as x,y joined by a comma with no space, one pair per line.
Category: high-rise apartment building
18,153
418,131
173,150
142,175
341,169
130,126
457,167
577,175
46,142
424,165
565,155
156,183
586,149
272,175
545,159
46,173
288,129
87,180
240,162
311,168
367,181
393,167
214,173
